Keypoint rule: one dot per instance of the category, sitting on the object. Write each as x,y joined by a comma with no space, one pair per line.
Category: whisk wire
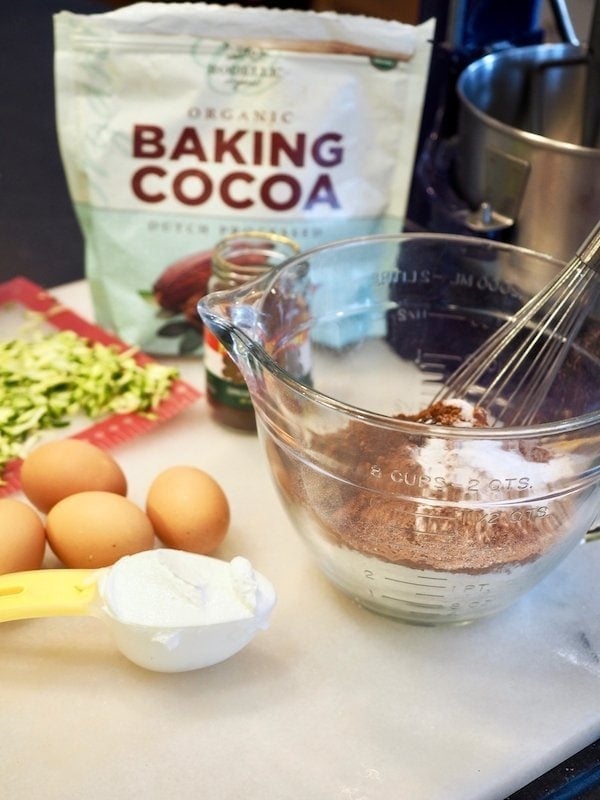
557,333
512,372
475,367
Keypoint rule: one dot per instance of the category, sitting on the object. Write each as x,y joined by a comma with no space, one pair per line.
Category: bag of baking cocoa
181,123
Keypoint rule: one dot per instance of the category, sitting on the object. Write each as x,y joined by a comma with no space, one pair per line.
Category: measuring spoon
162,648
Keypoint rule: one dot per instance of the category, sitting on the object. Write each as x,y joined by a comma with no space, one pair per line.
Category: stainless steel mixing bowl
521,146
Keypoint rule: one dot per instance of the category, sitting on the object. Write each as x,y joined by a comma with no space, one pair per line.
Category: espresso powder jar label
224,382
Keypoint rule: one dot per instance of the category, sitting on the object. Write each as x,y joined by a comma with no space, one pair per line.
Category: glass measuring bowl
426,523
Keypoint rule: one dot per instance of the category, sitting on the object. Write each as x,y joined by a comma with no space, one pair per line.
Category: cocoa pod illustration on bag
183,279
176,292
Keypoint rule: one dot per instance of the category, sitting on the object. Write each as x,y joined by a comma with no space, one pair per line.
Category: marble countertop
332,702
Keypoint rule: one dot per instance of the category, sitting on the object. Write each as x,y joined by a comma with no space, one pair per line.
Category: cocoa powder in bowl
376,494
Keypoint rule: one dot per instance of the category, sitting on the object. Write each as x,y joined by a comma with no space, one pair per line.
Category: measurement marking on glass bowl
426,357
412,602
429,515
420,584
417,582
448,315
423,533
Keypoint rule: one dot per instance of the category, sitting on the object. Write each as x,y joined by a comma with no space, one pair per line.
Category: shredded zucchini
47,379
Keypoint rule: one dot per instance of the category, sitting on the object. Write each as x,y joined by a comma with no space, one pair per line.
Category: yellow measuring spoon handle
47,593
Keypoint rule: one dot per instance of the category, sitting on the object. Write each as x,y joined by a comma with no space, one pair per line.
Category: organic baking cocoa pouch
181,123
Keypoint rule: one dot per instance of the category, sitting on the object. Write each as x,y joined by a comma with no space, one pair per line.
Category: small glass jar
238,259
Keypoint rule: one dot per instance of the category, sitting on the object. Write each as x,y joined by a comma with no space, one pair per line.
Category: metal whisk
512,372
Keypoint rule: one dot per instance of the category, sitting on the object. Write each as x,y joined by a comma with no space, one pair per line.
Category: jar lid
247,255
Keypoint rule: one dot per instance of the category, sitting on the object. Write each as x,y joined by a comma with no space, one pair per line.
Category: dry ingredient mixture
456,414
417,500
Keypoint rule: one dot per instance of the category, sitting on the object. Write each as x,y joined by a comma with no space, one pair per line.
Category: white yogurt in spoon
171,610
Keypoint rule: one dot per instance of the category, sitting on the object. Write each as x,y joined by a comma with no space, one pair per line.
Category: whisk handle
589,250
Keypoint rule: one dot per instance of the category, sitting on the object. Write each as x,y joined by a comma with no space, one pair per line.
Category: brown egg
22,537
188,509
95,529
58,469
